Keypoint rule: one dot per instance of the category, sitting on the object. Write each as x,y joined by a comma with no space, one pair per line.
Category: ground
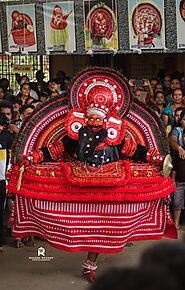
63,271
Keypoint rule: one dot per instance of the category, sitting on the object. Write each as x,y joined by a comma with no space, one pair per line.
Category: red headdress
103,92
57,10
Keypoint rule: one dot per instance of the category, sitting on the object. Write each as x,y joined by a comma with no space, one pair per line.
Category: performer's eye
98,119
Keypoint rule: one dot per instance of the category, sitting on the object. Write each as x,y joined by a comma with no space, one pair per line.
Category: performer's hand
154,156
26,160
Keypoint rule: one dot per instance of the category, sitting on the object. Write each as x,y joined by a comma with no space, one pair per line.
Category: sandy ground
18,272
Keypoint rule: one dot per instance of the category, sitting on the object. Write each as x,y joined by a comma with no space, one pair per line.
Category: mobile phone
138,83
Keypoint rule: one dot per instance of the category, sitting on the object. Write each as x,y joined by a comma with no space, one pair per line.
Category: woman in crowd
25,93
168,112
159,103
175,84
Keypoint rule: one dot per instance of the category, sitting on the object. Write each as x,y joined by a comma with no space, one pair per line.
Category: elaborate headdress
103,92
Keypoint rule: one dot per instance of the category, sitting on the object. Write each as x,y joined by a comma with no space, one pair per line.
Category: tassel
21,170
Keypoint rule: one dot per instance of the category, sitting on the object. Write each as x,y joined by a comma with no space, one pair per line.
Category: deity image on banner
21,28
0,43
101,31
146,25
180,16
59,26
182,9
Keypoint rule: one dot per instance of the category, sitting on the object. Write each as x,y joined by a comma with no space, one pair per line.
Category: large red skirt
103,227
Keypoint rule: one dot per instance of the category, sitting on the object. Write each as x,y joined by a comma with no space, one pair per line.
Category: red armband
38,156
154,156
56,150
129,147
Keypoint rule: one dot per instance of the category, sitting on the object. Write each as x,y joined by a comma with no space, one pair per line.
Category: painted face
95,122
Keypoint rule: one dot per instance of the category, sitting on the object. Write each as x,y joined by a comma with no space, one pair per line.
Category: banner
21,28
0,43
59,26
146,24
180,13
101,28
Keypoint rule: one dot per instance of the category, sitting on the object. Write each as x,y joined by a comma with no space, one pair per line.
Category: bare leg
92,256
89,266
177,213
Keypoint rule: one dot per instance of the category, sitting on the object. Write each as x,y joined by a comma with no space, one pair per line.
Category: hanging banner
146,24
59,26
21,28
180,13
101,29
0,43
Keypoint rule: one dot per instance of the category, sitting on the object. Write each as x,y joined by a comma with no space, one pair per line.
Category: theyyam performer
94,176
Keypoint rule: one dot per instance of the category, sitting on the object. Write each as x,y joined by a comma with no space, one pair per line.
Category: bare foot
18,243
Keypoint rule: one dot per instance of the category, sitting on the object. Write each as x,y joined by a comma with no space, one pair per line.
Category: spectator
6,108
35,103
4,83
67,83
25,90
56,86
140,95
159,103
158,88
6,139
2,94
166,85
145,278
40,85
167,256
168,112
178,175
26,111
153,83
43,97
176,139
25,80
177,114
175,84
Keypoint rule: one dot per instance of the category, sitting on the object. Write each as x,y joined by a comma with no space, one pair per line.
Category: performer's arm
138,152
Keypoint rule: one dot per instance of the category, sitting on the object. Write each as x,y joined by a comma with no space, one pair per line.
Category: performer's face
95,122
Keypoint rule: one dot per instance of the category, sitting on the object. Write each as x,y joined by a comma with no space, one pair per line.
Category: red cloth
97,227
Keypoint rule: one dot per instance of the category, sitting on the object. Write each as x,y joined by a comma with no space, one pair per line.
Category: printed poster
101,28
146,24
21,28
180,13
0,43
59,26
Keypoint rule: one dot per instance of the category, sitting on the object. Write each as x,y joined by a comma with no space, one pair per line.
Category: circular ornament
146,18
101,88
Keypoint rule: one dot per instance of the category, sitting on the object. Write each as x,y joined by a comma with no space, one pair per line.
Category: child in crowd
178,175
